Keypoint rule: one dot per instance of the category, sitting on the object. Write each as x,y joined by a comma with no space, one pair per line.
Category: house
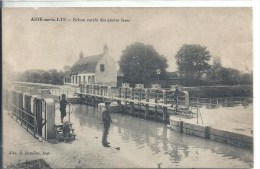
98,69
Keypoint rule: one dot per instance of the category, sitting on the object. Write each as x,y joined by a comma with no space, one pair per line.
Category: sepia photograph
127,87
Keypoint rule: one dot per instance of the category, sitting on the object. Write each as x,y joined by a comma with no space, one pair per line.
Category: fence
32,113
219,102
138,94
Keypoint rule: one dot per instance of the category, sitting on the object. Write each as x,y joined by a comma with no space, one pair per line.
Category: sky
226,32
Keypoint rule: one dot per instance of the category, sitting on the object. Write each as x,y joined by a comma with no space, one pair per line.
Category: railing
28,121
28,111
218,102
154,95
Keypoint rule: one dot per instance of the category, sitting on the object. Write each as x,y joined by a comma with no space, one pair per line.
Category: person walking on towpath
63,104
106,121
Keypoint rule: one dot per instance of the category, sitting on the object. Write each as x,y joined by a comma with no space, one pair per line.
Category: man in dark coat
63,104
106,121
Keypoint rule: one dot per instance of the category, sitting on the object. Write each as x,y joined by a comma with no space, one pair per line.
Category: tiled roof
86,64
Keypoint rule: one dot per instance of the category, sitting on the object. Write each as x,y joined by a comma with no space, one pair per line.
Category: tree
224,76
46,77
35,76
24,76
247,78
139,63
215,74
192,61
55,76
67,69
61,75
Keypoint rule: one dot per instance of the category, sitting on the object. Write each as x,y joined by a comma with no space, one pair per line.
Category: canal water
148,143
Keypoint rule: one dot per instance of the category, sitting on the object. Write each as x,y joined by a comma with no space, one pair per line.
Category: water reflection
171,146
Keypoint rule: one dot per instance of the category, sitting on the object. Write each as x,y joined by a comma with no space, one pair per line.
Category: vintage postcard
126,87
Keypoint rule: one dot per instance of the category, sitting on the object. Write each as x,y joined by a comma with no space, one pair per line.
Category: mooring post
131,103
146,91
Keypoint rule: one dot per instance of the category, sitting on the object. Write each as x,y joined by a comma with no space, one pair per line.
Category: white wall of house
86,77
82,78
109,75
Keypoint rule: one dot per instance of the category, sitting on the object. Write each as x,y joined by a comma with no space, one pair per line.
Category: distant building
97,69
173,78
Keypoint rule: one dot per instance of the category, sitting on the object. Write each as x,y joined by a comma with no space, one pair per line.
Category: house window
102,67
73,79
76,79
84,78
